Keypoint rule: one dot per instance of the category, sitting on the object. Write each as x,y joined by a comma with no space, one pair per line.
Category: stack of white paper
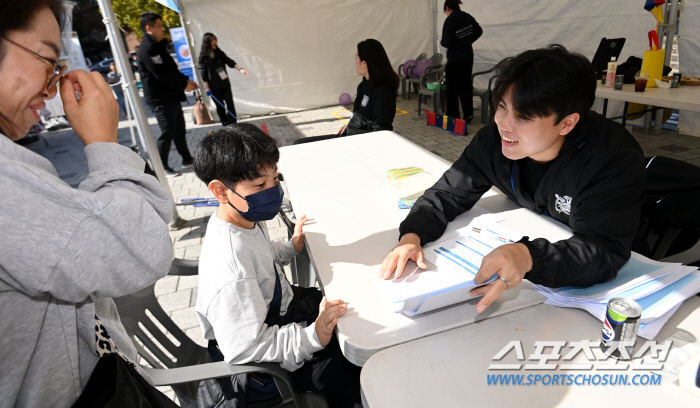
658,287
458,259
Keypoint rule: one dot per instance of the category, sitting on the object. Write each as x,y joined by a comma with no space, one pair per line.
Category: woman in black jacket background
212,66
458,33
375,103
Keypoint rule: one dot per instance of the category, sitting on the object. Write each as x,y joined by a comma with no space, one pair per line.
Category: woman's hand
95,116
244,72
299,236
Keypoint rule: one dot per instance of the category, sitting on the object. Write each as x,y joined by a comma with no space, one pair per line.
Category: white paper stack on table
658,287
457,259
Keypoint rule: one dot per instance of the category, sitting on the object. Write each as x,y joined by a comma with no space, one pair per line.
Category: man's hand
329,312
95,117
299,236
408,248
511,262
191,86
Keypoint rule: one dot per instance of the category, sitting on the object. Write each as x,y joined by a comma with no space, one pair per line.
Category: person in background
375,103
459,32
164,88
212,66
66,251
114,79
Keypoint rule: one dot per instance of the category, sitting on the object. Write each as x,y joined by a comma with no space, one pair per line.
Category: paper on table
457,259
411,187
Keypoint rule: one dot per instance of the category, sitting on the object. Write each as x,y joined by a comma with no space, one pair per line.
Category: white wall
300,54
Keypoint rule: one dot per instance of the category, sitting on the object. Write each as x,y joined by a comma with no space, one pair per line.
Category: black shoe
169,173
187,165
469,119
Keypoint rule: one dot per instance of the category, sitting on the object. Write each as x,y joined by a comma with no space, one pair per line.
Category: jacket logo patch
563,204
365,100
157,59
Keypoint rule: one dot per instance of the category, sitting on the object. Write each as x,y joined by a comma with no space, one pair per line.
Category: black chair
487,113
403,77
415,82
177,361
434,75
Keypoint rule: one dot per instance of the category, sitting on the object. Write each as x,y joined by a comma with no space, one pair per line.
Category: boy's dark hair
452,4
149,18
234,153
547,81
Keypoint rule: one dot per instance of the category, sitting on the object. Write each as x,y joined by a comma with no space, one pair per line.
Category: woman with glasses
65,252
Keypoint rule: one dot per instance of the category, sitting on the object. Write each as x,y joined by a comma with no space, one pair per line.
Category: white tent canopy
300,53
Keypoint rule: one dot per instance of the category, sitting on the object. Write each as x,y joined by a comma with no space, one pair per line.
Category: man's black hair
234,153
547,81
149,18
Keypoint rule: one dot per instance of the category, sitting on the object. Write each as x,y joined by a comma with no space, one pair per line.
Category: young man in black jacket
164,88
552,155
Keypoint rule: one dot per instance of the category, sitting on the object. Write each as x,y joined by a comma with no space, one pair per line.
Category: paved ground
178,295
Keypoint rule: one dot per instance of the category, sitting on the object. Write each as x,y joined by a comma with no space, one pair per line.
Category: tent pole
132,93
433,25
670,31
193,52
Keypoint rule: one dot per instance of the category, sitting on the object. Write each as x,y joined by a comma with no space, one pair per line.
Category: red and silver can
620,327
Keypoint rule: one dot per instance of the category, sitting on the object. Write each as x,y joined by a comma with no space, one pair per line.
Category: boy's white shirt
236,286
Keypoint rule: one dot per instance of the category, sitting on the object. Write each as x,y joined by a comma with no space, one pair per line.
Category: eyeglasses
58,70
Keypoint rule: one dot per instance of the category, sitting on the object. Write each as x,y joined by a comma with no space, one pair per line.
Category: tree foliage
129,11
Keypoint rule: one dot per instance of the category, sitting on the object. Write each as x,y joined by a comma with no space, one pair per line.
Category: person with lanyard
459,32
164,88
375,103
212,65
548,152
66,252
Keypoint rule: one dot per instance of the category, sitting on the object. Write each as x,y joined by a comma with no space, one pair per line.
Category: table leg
658,119
605,107
624,113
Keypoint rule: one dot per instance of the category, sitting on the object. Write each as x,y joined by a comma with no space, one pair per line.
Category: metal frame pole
433,25
132,93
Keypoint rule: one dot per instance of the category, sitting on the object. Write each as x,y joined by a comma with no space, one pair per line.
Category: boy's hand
329,311
299,236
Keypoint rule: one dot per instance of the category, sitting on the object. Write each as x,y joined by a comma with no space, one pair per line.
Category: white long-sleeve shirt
236,286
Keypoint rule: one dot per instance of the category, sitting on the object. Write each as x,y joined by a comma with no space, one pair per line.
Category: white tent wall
689,60
300,54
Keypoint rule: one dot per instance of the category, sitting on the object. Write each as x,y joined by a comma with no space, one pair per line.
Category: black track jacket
163,83
600,168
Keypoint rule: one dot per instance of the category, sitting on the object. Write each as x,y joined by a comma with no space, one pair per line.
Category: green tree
129,11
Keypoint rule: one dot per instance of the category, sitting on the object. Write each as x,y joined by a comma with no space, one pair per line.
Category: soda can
619,80
676,82
620,327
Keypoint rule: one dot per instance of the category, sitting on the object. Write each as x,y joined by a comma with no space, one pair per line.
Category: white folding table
354,223
450,369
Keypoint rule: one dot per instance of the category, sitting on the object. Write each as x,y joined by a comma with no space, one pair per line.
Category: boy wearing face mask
244,302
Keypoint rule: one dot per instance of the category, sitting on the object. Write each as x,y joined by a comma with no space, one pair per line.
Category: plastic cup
640,81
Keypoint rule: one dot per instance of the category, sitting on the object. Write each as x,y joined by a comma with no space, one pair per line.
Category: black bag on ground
117,383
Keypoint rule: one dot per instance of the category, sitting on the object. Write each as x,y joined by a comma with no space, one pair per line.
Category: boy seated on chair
548,152
244,301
